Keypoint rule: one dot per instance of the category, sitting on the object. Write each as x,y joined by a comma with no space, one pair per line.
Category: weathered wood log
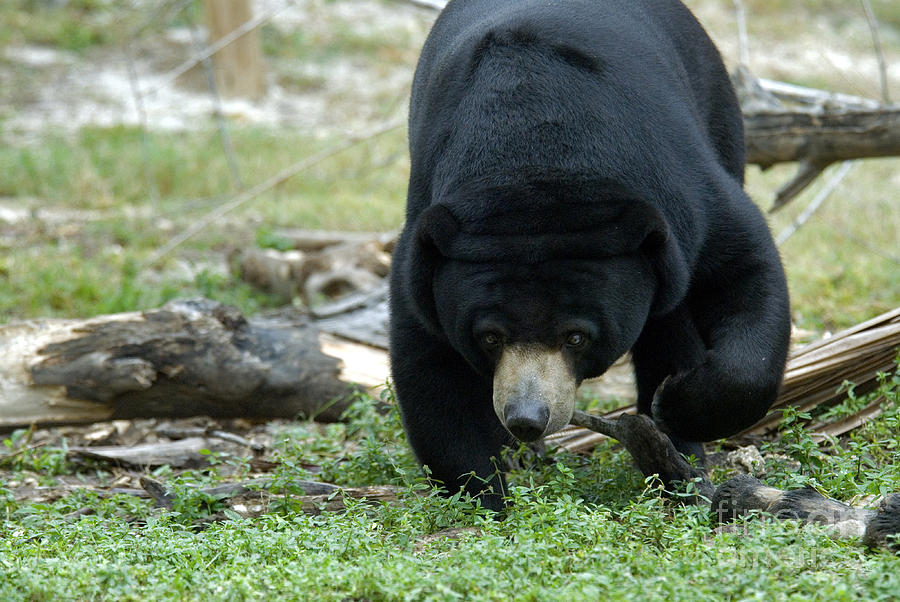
654,454
318,275
743,494
362,317
821,136
788,123
187,358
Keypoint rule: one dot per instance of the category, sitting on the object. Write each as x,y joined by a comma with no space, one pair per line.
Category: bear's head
541,285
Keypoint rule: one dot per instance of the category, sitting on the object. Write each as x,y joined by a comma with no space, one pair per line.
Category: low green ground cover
578,527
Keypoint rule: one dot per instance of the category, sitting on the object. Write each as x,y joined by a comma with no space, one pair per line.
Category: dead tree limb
318,497
187,358
821,137
743,494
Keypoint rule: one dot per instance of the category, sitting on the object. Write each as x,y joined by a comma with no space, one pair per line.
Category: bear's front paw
658,409
675,403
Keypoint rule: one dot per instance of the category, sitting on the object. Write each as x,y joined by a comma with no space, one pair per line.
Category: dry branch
317,240
275,180
815,372
743,494
185,453
330,271
825,128
318,498
651,449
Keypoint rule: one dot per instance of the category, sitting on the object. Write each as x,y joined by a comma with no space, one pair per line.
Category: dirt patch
57,91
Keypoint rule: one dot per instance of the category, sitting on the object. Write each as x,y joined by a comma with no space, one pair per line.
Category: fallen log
654,454
190,357
822,135
318,268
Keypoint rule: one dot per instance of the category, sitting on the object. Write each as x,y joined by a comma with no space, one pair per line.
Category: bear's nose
527,420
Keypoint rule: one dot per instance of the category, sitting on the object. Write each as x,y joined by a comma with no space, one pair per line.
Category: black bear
576,192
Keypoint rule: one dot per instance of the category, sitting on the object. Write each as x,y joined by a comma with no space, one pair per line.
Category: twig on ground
830,186
651,449
173,432
654,454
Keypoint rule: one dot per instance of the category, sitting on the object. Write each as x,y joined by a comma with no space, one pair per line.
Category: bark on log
189,357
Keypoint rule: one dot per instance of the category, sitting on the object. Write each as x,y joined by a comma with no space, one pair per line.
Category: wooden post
239,65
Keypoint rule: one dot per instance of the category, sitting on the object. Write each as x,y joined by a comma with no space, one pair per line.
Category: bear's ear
434,233
669,265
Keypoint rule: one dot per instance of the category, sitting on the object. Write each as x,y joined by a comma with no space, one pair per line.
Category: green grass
843,266
75,25
110,167
98,266
578,527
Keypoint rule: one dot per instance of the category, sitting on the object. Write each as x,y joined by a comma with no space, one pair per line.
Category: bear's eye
576,340
491,340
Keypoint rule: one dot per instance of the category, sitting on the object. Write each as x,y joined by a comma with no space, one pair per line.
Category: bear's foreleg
668,345
449,419
714,366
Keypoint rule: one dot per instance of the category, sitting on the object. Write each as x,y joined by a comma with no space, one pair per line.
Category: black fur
577,165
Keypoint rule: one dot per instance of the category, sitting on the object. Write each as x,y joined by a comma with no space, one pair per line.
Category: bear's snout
527,419
534,391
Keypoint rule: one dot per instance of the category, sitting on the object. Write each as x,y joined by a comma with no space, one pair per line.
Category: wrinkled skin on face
538,330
